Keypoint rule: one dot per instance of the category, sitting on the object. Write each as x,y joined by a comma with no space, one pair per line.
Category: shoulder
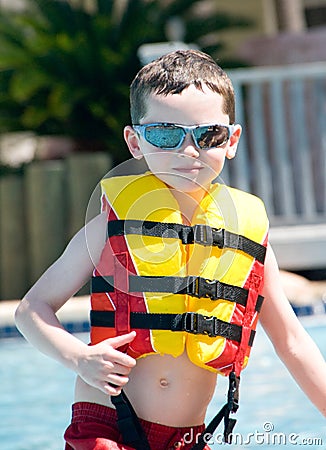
243,210
248,197
92,237
277,316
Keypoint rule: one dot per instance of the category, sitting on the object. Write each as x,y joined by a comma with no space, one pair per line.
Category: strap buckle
218,237
233,393
208,236
203,234
200,287
190,322
195,323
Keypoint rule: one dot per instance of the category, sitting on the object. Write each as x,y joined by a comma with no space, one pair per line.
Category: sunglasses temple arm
232,129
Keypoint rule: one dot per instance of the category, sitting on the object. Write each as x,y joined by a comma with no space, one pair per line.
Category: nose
188,147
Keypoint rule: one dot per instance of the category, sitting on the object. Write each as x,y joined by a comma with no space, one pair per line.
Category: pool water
274,412
36,394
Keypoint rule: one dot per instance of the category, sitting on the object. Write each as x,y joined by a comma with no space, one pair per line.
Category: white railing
282,154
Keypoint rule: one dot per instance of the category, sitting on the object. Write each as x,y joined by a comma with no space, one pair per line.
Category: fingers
114,383
112,390
116,356
118,364
121,340
121,369
105,366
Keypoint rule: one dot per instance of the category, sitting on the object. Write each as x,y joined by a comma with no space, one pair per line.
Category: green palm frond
65,69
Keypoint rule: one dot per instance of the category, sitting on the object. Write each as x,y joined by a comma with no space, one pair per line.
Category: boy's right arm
102,365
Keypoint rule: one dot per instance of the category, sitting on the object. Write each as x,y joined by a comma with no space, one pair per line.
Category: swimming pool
36,394
274,413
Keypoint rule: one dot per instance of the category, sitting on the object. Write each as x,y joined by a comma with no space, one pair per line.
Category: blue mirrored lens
211,136
164,136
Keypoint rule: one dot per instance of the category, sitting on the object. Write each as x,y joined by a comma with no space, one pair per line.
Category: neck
188,202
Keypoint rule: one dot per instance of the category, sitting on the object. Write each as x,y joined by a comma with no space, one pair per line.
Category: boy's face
187,169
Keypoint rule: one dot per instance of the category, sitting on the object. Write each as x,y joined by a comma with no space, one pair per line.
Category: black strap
128,423
231,406
190,322
199,234
195,286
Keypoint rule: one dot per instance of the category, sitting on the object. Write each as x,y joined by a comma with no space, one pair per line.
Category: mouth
193,169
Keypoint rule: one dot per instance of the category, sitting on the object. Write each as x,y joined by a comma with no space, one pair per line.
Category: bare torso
162,389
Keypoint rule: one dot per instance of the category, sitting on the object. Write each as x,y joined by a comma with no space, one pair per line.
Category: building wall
263,15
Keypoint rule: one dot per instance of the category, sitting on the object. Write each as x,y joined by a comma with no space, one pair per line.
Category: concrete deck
74,316
300,247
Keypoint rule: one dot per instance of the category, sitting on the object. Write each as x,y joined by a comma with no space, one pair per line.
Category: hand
106,368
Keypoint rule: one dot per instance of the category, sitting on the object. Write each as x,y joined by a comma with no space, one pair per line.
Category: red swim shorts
93,427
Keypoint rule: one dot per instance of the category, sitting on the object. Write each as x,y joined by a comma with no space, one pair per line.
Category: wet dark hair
174,72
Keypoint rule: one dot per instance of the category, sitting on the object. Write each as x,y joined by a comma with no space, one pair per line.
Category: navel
164,382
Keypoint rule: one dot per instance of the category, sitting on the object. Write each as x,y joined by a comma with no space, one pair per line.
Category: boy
178,280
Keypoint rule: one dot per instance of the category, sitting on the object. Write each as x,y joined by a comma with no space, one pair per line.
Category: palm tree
65,67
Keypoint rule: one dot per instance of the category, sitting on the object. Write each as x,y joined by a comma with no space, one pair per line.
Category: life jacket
193,285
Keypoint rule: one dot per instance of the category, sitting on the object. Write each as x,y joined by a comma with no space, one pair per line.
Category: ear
233,142
132,141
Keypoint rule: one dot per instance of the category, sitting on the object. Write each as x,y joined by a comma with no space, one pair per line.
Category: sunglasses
169,136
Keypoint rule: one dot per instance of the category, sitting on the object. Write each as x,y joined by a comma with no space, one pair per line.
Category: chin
187,184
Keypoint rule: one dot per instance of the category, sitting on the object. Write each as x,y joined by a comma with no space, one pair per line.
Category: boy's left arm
292,343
